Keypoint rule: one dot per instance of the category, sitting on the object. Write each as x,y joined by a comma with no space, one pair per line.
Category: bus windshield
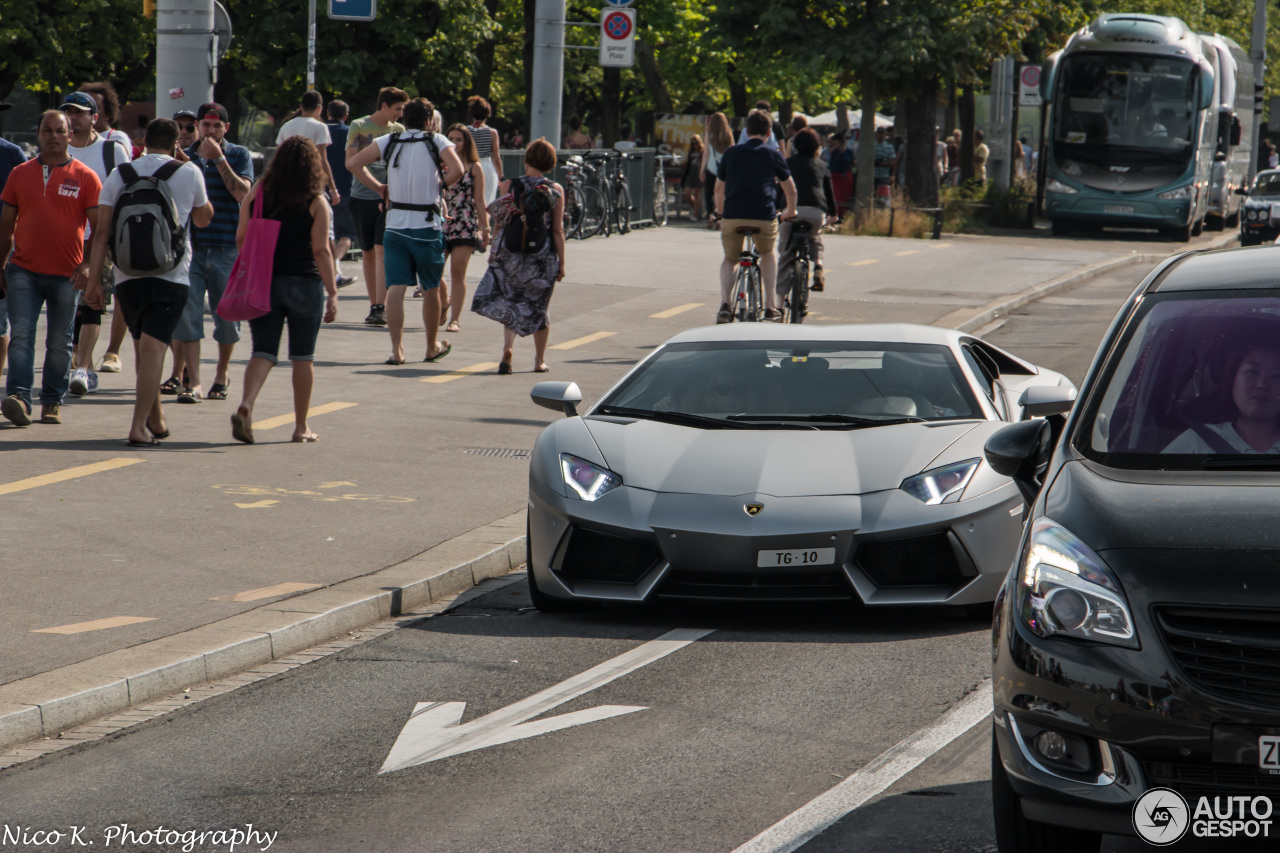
1125,110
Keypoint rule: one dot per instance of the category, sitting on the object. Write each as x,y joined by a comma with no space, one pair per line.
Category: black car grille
828,585
1193,781
603,558
1233,653
920,561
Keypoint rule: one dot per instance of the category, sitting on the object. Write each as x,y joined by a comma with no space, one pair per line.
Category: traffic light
149,8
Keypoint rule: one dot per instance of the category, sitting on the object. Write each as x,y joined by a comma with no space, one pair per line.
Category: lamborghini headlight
1068,590
941,485
587,481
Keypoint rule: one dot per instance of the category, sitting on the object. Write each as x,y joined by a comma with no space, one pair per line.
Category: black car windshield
1268,183
1195,385
866,382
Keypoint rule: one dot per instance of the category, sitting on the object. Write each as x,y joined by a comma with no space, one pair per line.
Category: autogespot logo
1160,816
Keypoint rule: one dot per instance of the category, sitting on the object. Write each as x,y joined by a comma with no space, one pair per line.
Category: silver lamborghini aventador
761,462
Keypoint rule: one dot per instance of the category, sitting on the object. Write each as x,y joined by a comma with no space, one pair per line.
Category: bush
905,223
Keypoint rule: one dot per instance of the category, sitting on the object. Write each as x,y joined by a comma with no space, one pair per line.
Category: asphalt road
726,735
146,543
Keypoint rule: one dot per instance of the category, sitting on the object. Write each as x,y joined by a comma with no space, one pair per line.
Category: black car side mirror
1242,190
1021,452
560,396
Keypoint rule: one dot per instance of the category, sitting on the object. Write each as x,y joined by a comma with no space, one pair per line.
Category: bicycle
748,297
584,208
660,207
603,185
621,211
797,300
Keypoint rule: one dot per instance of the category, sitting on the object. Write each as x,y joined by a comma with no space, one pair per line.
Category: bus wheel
1179,235
1058,228
1198,228
1214,223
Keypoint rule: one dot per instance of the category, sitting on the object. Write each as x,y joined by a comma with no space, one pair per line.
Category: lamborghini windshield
817,383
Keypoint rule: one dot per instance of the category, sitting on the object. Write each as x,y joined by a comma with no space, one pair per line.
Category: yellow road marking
577,342
281,420
864,263
258,505
267,592
461,372
336,484
941,246
95,625
679,309
904,254
68,474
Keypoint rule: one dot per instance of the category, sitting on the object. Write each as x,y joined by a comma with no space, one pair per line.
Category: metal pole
548,71
311,44
185,58
1259,52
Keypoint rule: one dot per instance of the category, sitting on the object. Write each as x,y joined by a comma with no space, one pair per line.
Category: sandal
155,434
448,348
504,368
190,395
394,360
241,428
453,327
218,391
172,385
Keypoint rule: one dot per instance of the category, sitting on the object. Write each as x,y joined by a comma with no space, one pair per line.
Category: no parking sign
617,38
1029,86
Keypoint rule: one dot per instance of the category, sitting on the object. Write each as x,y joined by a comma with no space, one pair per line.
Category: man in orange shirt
47,202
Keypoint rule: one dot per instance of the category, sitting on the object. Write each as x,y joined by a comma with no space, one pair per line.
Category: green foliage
59,44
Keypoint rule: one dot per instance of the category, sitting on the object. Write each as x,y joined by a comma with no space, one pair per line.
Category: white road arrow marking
434,730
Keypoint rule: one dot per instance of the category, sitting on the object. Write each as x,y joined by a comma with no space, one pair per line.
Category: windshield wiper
1241,463
681,418
844,420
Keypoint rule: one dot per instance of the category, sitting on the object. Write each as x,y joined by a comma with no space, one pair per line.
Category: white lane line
811,819
434,731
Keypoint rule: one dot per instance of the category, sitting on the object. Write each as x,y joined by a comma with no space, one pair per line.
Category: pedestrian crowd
156,229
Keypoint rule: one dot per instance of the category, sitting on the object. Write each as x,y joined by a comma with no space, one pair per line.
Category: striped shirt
226,210
484,141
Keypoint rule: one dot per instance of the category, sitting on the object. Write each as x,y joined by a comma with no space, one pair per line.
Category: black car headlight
586,480
1251,214
1067,590
941,485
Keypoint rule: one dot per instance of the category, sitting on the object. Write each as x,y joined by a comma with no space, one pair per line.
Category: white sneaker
93,380
80,382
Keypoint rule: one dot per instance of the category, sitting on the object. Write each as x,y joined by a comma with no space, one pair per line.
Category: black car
1256,223
1136,640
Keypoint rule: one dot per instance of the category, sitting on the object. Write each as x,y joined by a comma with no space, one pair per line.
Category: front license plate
1269,753
803,557
1119,208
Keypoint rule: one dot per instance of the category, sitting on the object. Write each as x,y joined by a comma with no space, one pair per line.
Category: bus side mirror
1207,86
1235,130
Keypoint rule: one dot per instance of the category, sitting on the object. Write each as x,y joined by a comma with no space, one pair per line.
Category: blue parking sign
353,10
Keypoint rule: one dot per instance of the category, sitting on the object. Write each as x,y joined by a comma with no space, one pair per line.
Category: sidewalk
964,282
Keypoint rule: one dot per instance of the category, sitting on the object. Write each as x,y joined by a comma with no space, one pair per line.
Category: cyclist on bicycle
815,204
745,198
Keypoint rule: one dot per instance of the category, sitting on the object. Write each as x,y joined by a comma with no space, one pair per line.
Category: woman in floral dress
516,289
467,228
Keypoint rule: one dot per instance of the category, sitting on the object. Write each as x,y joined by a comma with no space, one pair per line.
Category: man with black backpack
144,213
419,166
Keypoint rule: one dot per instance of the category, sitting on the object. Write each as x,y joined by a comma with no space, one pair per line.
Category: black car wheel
1016,834
542,601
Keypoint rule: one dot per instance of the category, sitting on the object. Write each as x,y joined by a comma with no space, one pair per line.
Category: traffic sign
353,10
617,38
1029,86
619,3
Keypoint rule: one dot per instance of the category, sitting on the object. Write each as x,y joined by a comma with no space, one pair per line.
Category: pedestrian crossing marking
64,475
904,254
577,342
281,420
679,309
95,625
461,372
864,263
267,591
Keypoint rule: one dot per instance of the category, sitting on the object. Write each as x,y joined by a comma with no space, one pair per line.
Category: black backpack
146,237
397,140
528,230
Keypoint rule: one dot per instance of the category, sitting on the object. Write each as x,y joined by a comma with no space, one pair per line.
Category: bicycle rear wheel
659,201
574,202
594,216
798,299
755,303
624,209
741,288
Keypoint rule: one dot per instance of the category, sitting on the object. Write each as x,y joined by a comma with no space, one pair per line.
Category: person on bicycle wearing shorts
745,198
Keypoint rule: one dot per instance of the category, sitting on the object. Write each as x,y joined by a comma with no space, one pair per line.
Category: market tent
828,119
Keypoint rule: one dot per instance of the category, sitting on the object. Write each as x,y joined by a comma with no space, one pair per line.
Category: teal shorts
413,255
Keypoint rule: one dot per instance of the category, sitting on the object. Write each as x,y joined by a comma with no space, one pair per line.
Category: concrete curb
966,321
48,704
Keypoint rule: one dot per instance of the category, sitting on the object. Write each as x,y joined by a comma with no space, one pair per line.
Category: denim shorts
298,302
210,272
413,252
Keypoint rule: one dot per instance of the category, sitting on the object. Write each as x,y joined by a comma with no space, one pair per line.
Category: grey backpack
146,237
